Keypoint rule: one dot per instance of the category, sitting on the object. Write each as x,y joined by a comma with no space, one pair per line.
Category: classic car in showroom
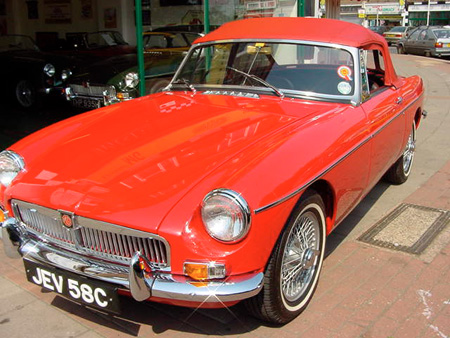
116,79
224,187
28,74
93,46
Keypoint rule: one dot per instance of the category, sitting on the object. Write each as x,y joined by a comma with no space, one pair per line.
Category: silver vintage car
426,40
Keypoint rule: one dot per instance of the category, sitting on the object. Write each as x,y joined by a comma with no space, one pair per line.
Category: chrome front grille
92,90
92,238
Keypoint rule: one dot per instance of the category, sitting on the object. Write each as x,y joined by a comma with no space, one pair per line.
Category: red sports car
223,187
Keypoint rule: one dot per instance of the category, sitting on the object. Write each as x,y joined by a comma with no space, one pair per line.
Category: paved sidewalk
364,290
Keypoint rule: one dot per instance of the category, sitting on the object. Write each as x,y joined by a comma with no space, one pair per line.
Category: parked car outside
224,187
93,46
426,40
28,74
116,79
397,33
378,29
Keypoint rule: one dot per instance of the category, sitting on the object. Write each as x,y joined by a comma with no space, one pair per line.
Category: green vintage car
116,79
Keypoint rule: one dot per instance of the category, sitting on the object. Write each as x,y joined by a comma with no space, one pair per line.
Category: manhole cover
409,228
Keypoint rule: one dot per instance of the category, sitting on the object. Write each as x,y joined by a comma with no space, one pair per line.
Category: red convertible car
223,187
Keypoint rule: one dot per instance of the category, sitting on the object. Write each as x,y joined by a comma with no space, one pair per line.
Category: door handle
399,100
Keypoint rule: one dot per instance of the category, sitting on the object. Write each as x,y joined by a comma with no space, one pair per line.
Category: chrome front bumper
138,278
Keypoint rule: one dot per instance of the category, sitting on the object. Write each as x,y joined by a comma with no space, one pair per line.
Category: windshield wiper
186,83
258,79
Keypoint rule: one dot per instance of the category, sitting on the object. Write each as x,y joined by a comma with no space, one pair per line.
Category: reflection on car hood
132,162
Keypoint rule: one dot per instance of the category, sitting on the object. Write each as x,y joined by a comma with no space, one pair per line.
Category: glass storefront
192,12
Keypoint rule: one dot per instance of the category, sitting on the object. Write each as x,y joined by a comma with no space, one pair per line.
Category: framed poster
32,7
110,17
57,11
2,7
86,9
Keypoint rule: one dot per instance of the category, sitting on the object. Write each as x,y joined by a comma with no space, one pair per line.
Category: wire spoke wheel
408,154
25,93
292,272
399,172
300,257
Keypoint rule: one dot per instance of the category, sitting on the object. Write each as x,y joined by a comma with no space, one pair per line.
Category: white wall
19,23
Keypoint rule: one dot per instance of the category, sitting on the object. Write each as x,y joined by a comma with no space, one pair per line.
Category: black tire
399,172
296,257
25,94
401,49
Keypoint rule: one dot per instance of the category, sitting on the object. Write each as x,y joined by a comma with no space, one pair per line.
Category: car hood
130,163
34,57
101,72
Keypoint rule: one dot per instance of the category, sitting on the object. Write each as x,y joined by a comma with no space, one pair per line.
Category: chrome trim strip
363,142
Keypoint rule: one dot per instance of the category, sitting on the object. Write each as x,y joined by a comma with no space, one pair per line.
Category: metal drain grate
409,228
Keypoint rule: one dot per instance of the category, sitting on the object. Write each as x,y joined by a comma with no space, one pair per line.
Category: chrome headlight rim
237,201
65,74
131,80
49,70
11,164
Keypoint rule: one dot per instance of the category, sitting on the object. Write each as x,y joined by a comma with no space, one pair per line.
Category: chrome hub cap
300,257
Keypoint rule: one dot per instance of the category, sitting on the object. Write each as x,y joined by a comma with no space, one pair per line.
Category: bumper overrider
141,280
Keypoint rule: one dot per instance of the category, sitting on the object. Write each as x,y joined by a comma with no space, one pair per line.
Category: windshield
16,42
104,39
275,68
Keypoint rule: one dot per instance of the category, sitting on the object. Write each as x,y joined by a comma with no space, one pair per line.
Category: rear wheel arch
418,118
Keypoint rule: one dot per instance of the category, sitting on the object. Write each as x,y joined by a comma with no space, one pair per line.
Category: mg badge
67,220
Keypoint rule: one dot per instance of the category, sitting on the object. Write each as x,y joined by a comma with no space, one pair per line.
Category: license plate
78,288
447,45
81,102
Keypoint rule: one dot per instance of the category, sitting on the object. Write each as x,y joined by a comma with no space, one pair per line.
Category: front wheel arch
293,269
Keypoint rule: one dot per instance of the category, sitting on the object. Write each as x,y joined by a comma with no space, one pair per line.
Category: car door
422,44
411,42
383,106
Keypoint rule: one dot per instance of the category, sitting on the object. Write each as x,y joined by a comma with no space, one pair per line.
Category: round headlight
65,74
226,215
49,70
10,165
131,80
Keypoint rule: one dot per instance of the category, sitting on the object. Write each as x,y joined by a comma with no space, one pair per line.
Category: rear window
442,33
398,29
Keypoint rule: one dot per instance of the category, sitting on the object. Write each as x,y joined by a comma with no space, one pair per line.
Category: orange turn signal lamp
2,216
204,271
123,96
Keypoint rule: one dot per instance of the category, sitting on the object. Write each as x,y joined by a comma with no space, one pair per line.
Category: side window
156,41
375,70
423,35
178,41
365,93
414,35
